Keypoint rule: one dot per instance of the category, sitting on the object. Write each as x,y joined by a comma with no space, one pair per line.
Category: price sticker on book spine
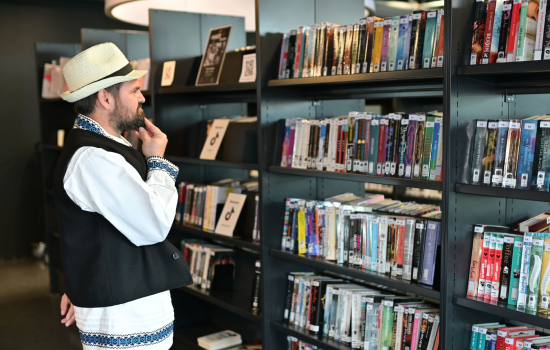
440,61
431,226
515,126
405,122
503,124
425,170
509,240
518,244
507,7
420,226
408,169
493,125
538,242
432,14
401,169
545,125
530,126
392,168
426,62
411,61
481,124
487,177
473,59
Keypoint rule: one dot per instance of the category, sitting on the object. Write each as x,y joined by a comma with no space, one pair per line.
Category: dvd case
526,154
504,30
487,38
417,39
512,151
480,144
478,34
394,38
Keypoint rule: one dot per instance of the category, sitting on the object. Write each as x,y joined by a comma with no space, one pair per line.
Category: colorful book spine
489,268
377,45
524,272
394,38
441,43
525,42
541,167
512,152
475,262
396,144
526,154
497,266
541,29
385,44
373,145
515,271
369,37
544,299
382,145
505,273
489,22
495,38
504,30
299,55
535,268
402,54
427,149
429,38
411,146
489,156
479,152
511,45
478,33
417,39
329,50
403,135
483,266
430,251
546,34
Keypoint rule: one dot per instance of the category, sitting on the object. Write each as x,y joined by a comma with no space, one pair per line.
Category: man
115,207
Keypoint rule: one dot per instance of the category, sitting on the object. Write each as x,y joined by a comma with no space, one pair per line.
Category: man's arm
103,182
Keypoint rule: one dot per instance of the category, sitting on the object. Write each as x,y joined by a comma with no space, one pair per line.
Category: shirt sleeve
103,182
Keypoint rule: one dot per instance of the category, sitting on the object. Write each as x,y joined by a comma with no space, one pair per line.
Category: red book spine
489,22
511,46
496,273
382,140
489,272
344,151
483,267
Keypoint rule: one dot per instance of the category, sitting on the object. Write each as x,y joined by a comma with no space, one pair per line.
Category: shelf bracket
509,98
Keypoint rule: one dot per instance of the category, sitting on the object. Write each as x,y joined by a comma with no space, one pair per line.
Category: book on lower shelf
501,336
352,234
359,316
220,340
396,145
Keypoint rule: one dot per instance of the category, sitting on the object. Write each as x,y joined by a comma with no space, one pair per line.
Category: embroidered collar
86,123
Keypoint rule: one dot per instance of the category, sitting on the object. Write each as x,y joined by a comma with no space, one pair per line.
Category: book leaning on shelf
351,234
397,145
510,267
372,45
360,317
510,31
511,153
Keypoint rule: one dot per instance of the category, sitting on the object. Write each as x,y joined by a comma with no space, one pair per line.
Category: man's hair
86,105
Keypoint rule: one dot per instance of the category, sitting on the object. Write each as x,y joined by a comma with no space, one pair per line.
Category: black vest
103,267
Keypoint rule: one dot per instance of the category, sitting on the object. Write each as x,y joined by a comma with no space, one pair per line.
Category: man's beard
126,120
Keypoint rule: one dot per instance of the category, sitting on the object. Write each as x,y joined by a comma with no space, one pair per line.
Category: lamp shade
137,11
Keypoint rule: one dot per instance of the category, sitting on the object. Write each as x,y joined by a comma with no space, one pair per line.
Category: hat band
124,71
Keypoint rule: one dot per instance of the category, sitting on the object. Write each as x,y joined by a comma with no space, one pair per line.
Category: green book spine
534,273
427,150
429,36
520,54
515,271
394,37
373,145
387,325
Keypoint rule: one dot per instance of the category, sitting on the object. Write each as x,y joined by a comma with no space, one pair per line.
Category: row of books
510,31
294,343
200,205
362,317
511,153
502,337
211,266
373,45
511,268
392,244
397,145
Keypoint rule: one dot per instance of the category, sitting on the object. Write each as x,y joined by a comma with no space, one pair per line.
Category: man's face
128,114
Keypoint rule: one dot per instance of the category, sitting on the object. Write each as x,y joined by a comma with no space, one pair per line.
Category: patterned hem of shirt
126,341
87,123
161,164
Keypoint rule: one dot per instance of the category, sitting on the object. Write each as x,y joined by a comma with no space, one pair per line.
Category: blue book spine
526,154
402,55
435,147
430,250
374,245
322,139
429,37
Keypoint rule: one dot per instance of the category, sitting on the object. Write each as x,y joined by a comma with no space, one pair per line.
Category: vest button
175,256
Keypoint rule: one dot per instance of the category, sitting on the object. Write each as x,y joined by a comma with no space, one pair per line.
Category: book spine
512,152
288,297
329,50
390,145
429,38
500,153
427,150
438,134
479,151
396,144
511,45
495,38
505,273
524,43
350,145
489,268
473,276
402,54
504,30
377,45
319,52
524,273
489,156
284,55
416,38
382,244
478,33
515,271
291,54
355,48
430,248
546,33
385,44
373,145
411,146
441,42
403,134
382,145
299,54
419,146
400,246
488,35
526,154
256,289
341,50
408,249
369,46
437,37
418,252
393,38
363,47
543,12
535,268
545,279
497,267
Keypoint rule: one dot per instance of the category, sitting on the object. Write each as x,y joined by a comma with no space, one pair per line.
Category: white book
220,340
330,238
306,125
433,333
383,265
297,143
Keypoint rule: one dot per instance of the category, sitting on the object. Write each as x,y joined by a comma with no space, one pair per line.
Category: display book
361,317
503,337
511,153
373,45
200,205
397,145
510,31
220,340
294,343
512,267
350,233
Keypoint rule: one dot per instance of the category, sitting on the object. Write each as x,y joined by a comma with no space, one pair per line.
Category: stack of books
373,45
220,340
500,336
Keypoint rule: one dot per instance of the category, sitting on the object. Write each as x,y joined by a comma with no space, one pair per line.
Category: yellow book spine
544,290
301,231
378,38
206,219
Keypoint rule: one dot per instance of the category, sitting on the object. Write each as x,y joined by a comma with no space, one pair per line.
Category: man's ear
105,100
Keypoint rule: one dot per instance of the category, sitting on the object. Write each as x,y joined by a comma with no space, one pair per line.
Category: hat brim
99,85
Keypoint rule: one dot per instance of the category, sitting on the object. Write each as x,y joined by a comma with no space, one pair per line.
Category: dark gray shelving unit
230,241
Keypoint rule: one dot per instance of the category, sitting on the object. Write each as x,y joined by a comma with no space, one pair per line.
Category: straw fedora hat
97,68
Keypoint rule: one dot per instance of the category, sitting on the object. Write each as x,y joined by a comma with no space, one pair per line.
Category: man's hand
69,319
154,140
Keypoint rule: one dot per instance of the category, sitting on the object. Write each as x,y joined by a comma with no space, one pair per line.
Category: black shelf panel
537,320
231,301
503,192
233,241
220,88
521,77
216,163
431,185
318,340
368,276
56,148
396,78
48,192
